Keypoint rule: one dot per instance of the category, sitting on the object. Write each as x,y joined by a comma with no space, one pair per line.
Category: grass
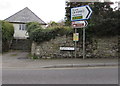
13,55
32,56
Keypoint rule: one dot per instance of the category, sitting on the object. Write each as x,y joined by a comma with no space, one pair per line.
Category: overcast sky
47,10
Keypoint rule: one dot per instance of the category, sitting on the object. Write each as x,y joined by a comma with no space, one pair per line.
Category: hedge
7,35
38,34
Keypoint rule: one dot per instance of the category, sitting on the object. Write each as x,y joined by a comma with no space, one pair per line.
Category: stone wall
106,47
99,47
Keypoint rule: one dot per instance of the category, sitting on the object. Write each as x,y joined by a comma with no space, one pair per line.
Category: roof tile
24,16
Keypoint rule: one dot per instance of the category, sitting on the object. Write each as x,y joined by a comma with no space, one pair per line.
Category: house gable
24,16
19,21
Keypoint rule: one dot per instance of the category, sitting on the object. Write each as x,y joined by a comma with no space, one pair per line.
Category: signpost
79,24
83,43
78,17
80,13
76,38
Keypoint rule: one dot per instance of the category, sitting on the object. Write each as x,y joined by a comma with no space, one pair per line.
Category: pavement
19,59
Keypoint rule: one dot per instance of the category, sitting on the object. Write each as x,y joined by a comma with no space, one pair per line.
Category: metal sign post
75,39
75,45
80,24
84,43
78,17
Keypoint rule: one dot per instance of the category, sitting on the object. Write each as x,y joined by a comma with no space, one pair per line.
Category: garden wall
99,47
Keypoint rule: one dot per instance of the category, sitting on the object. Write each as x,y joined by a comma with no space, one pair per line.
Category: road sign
75,36
80,13
67,48
79,24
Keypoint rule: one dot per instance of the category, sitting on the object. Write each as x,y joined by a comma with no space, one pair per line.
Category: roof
24,16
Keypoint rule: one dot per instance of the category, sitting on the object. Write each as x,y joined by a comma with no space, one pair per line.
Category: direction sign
67,48
79,24
80,13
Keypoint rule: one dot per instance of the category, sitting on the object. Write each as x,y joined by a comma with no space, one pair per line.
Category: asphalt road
92,75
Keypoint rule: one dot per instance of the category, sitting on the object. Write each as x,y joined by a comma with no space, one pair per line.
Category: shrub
7,34
38,34
32,26
7,31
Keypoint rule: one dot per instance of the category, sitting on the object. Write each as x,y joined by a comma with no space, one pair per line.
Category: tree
7,35
103,22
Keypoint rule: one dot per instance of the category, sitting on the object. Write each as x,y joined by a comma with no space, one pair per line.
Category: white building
19,21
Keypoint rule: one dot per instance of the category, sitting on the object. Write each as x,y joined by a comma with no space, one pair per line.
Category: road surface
91,75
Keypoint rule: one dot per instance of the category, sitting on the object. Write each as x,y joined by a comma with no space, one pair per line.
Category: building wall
19,34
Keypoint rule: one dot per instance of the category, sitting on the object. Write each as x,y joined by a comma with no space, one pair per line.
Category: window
22,26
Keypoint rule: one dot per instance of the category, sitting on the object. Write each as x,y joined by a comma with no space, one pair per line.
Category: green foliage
39,35
103,22
7,31
7,34
53,23
34,57
32,25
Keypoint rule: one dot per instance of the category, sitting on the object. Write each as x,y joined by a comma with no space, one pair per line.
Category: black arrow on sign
88,12
86,23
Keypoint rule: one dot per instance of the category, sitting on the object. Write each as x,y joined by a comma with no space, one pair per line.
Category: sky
47,10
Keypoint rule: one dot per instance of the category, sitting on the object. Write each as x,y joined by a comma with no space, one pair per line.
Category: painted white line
13,68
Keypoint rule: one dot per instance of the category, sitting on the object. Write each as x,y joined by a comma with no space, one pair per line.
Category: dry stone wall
98,48
106,47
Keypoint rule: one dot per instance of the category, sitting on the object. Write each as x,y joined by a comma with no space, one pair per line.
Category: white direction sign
79,24
67,48
81,13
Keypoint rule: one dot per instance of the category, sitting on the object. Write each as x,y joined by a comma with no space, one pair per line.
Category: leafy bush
7,34
7,31
38,34
32,25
